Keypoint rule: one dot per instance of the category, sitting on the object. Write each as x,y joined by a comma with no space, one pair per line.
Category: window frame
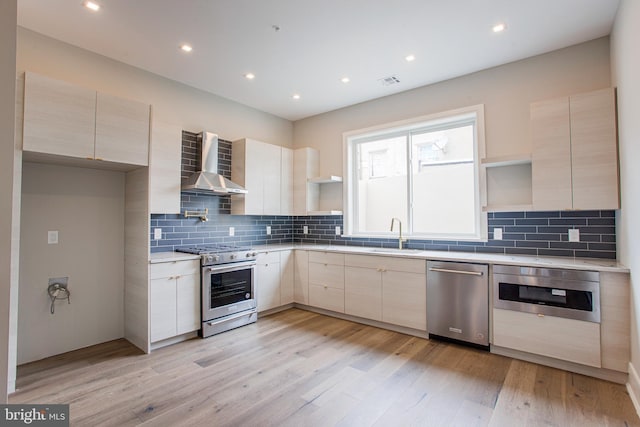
405,127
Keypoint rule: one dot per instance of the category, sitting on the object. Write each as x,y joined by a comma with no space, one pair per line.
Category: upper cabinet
59,118
164,168
67,120
122,130
265,170
574,159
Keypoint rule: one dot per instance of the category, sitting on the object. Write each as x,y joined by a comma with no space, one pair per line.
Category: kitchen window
425,171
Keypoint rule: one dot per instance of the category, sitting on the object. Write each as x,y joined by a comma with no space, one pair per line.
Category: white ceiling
319,42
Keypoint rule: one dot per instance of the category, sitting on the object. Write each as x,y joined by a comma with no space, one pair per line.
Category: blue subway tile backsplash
524,233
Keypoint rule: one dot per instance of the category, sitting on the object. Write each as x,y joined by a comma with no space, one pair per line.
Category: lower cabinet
274,279
575,341
387,289
268,280
326,280
301,276
174,298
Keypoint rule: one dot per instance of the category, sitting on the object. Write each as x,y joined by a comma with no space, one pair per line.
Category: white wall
8,260
193,109
625,64
86,207
506,92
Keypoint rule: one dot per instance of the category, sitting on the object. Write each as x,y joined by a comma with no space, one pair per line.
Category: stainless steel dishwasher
458,302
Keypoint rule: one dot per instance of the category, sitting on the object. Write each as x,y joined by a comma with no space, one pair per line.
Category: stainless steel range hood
208,180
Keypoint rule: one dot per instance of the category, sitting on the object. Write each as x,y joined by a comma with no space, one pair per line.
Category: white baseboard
633,387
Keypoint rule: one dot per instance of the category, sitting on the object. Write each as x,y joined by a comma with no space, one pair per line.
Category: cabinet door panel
363,292
286,277
286,182
404,299
188,303
326,297
164,168
594,150
271,178
551,157
326,275
301,277
59,117
122,130
174,268
268,285
162,316
566,339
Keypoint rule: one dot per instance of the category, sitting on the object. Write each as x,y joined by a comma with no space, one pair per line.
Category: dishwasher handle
446,270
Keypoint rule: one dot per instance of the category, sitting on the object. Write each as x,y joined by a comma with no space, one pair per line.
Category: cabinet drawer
326,257
326,275
326,297
269,257
386,263
174,268
566,339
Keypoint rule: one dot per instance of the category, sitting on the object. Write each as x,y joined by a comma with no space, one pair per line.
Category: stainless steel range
228,288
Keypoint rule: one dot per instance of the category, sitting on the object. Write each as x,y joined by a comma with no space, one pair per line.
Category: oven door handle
230,267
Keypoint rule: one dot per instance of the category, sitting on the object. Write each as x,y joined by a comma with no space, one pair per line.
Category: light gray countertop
524,260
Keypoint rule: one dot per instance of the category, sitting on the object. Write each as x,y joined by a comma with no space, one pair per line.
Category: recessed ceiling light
345,80
296,96
186,47
91,5
410,58
249,76
498,28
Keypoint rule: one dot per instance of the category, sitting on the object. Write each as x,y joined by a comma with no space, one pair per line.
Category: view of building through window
426,175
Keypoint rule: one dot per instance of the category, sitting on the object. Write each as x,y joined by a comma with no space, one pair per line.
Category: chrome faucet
400,239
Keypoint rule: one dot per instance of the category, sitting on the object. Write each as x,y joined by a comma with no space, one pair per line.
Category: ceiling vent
388,81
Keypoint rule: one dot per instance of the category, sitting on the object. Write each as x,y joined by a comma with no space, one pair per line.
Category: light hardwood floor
297,368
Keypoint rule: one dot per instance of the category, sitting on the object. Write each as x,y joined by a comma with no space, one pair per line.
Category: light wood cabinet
565,339
301,277
268,280
274,279
67,120
257,166
404,299
326,280
174,293
164,168
363,292
615,320
388,289
122,130
574,159
287,277
59,117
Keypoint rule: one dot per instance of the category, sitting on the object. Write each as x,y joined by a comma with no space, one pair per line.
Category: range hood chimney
208,180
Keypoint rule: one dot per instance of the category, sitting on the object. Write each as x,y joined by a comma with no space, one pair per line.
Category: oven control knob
215,258
232,256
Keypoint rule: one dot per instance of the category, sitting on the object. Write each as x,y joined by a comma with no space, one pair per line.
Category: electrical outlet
574,235
337,230
305,229
232,231
52,237
268,230
497,234
157,233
